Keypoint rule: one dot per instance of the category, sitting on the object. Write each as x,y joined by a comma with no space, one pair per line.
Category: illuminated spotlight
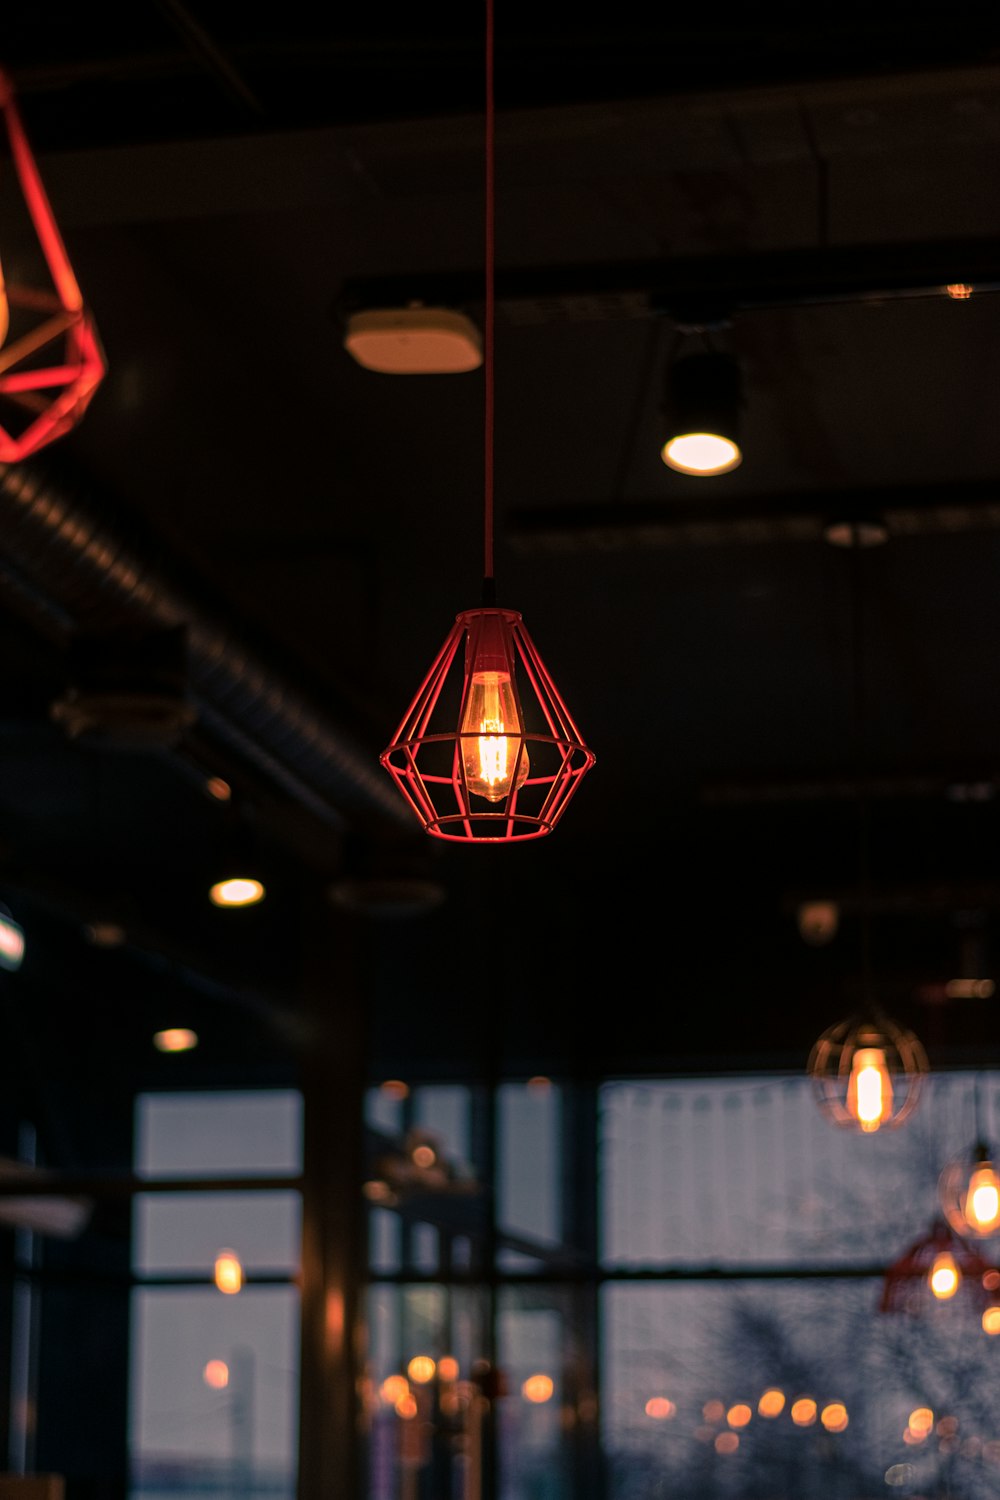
175,1039
804,1411
220,790
660,1407
394,1388
959,291
726,1442
739,1415
423,1156
921,1420
421,1369
702,415
406,1407
216,1374
236,891
537,1389
448,1368
834,1417
104,934
991,1320
771,1403
394,1088
228,1272
11,941
713,1411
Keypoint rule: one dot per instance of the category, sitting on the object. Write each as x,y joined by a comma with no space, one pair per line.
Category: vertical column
580,1228
331,1438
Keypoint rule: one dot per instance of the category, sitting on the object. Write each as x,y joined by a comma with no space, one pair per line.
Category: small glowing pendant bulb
869,1093
228,1272
982,1198
493,750
945,1276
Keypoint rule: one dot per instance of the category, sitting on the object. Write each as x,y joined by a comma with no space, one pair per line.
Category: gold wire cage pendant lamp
868,1069
487,751
51,360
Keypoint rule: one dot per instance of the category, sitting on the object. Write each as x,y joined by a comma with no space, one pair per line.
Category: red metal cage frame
51,369
425,757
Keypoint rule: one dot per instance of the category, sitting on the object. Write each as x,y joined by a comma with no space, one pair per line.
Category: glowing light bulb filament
491,736
945,1276
869,1095
982,1204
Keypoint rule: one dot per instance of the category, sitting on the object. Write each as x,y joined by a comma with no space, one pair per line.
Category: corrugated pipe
80,572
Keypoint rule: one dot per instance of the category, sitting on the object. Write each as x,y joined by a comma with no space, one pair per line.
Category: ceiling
230,190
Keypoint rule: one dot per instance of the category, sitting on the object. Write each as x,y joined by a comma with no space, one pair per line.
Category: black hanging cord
858,749
489,582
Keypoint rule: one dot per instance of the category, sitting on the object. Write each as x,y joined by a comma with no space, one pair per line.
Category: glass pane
529,1173
184,1232
207,1134
746,1171
213,1399
549,1408
795,1388
424,1393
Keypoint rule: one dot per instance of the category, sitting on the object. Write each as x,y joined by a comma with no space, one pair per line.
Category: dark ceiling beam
696,290
904,511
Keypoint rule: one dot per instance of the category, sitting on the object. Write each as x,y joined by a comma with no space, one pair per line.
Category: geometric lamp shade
487,751
51,361
867,1072
937,1268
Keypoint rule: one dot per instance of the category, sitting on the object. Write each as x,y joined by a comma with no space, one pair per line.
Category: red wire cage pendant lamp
481,756
51,360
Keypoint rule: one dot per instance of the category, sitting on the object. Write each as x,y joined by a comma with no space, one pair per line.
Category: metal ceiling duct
71,571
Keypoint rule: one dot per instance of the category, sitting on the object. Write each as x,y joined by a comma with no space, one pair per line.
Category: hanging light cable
51,360
506,765
867,1069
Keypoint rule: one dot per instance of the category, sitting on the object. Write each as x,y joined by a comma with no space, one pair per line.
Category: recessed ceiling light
175,1039
236,891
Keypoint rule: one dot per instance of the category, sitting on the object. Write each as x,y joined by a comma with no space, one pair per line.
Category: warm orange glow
175,1039
228,1272
216,1374
406,1407
739,1415
394,1388
537,1388
921,1420
424,1156
726,1442
869,1092
804,1411
713,1411
959,291
701,453
448,1368
982,1198
991,1320
911,1438
421,1369
771,1403
834,1416
660,1407
219,789
945,1276
377,1191
105,934
237,891
991,1280
491,737
969,989
395,1088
